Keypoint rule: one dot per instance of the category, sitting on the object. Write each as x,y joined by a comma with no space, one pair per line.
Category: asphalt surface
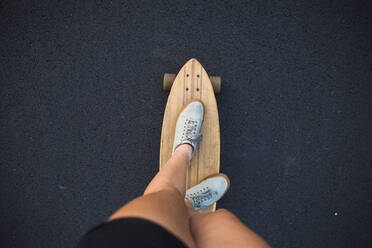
82,106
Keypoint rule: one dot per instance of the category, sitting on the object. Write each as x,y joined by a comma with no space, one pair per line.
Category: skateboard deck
193,83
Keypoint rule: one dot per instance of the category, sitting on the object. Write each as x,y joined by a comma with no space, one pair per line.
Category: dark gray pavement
82,105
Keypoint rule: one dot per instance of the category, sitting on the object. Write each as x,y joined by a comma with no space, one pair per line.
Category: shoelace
189,131
200,196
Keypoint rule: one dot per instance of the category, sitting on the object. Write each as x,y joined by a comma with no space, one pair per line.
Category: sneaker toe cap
195,109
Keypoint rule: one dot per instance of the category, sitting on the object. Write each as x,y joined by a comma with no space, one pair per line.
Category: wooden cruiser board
192,82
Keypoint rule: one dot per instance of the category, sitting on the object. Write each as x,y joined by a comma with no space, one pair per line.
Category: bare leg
163,202
163,199
222,229
173,174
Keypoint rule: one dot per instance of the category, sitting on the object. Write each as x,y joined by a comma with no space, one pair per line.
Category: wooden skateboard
192,82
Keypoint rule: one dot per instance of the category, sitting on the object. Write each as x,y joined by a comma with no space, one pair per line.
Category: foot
188,126
209,191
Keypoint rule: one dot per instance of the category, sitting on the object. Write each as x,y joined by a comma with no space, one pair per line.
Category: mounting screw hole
198,75
187,75
197,89
187,89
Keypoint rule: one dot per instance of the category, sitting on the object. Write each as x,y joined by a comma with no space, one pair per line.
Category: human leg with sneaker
167,205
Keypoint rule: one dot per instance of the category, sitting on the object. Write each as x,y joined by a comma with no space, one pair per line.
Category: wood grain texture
192,82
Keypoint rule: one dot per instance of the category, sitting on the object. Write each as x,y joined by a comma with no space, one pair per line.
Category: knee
188,204
170,190
163,188
224,212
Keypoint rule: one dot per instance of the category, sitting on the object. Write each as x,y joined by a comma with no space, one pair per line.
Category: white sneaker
208,191
188,125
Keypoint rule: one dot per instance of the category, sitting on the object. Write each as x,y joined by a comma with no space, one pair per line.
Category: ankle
184,150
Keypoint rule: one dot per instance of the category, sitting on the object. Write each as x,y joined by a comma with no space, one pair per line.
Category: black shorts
129,232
